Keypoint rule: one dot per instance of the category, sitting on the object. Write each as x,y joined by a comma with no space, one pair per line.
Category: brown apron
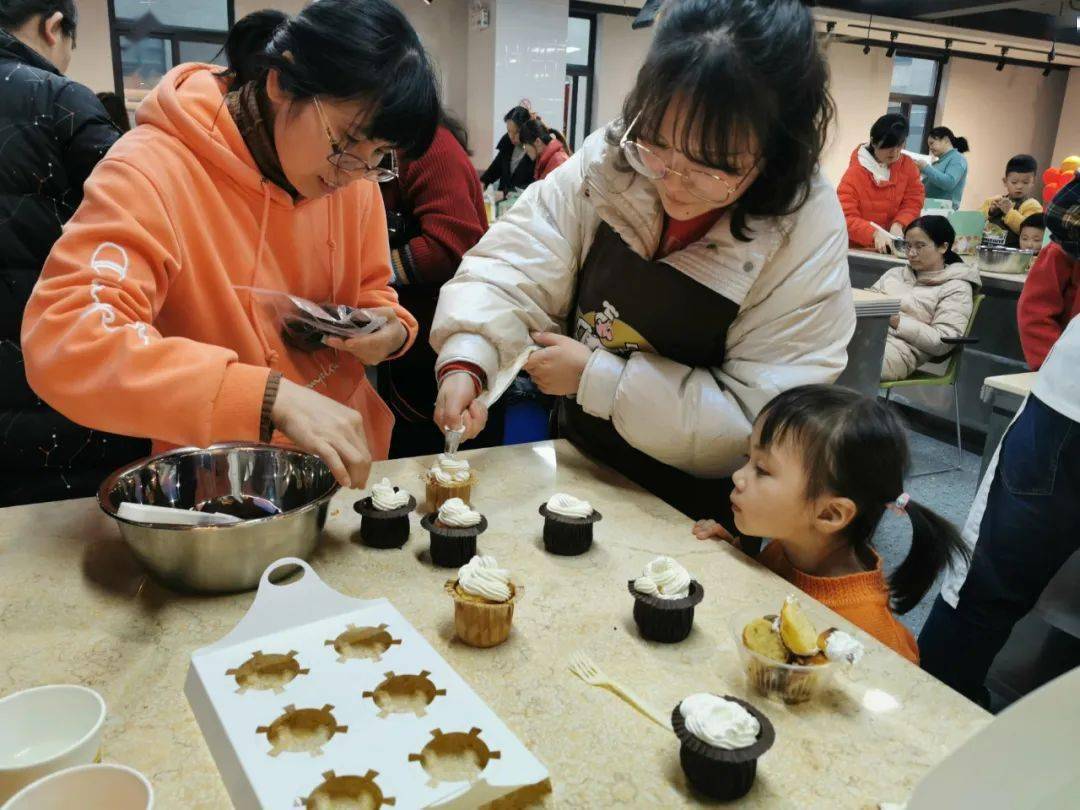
628,304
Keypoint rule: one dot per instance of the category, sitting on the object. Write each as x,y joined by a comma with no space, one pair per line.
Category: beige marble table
76,607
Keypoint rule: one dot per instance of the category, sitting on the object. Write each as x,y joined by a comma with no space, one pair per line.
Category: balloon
1051,176
1066,177
1071,163
1050,190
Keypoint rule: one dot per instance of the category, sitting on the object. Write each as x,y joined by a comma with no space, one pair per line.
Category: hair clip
899,506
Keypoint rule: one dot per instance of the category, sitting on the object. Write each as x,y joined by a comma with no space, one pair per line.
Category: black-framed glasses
346,162
706,186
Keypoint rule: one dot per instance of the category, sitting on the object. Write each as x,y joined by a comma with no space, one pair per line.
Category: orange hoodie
137,326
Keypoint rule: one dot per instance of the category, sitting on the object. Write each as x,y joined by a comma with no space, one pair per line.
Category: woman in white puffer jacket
936,291
684,267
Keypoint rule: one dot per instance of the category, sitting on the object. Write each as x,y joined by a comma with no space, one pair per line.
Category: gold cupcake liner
438,494
483,624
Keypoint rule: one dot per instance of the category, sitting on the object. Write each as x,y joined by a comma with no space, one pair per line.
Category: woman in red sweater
546,151
435,213
881,186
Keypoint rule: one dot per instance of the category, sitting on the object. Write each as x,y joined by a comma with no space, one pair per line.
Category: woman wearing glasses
936,291
680,270
144,322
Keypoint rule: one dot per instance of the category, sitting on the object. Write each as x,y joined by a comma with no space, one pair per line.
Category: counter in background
997,352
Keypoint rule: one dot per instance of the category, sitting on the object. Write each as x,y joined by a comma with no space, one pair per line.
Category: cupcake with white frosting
721,739
454,529
449,477
484,598
385,516
568,524
664,600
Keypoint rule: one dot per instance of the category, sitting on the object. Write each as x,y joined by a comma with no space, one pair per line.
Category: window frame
908,100
173,34
574,74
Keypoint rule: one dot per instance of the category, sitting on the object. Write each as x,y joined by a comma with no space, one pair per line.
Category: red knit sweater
1047,303
443,191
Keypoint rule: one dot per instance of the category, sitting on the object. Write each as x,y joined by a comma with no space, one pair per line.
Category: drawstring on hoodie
268,351
332,245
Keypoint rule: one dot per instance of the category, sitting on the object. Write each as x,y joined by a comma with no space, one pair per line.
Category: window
914,94
580,59
150,37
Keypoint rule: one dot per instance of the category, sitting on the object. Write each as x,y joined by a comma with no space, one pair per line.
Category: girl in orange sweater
825,463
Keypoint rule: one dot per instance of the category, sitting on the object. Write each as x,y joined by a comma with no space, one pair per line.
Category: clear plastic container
791,683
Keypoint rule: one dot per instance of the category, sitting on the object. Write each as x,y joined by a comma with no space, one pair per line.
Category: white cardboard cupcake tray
307,698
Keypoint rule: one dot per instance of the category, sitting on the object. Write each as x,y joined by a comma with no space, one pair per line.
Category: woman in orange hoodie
144,322
881,186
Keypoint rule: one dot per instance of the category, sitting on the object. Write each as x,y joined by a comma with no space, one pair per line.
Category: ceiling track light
948,52
1050,60
890,52
1001,62
830,26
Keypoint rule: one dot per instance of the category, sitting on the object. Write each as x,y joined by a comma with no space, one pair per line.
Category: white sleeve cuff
599,382
470,348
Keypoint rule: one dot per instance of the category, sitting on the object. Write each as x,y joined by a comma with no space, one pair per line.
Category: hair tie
899,506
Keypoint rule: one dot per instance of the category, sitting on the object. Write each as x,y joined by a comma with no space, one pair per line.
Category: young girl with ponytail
825,464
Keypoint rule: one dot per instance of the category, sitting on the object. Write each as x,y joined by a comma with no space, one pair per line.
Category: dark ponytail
940,230
959,144
534,130
935,542
354,50
855,447
889,131
245,46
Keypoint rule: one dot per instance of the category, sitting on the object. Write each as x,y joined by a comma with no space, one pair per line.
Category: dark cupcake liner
384,529
721,773
666,620
452,547
567,536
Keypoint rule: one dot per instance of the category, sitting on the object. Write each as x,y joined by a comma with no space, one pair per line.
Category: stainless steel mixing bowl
231,557
1004,260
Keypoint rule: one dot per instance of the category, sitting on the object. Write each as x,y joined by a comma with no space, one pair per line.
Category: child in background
1032,231
825,463
1005,214
1049,299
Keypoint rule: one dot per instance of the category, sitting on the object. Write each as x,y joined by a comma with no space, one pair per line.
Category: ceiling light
890,52
948,52
1001,62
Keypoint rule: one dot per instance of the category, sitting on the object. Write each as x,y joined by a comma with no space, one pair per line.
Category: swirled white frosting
450,471
665,578
719,722
481,576
841,646
569,506
385,498
455,512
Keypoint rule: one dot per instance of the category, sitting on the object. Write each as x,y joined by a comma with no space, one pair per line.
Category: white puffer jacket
796,313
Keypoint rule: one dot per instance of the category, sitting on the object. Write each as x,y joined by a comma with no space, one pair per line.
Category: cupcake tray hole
454,757
363,643
301,730
267,671
405,694
347,793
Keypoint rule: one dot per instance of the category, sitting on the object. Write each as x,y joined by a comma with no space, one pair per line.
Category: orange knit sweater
862,599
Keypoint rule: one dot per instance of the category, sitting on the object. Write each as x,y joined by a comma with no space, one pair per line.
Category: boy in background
1032,231
1005,214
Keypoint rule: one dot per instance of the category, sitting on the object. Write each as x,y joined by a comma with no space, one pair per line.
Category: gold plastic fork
582,666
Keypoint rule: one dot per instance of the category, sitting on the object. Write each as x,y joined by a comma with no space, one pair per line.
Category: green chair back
948,376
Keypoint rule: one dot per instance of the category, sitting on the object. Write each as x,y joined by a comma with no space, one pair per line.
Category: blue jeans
1030,528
